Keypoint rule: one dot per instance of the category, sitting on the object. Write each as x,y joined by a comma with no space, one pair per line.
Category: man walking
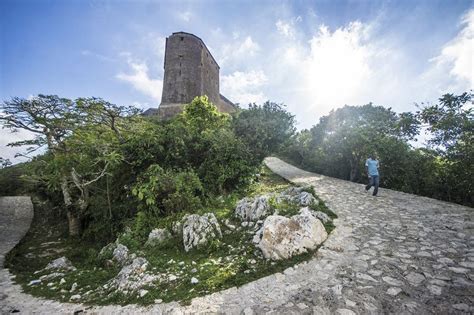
372,167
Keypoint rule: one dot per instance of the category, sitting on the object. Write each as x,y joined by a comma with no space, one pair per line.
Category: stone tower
190,71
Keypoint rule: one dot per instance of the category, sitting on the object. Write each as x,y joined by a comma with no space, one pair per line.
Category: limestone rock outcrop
132,276
253,209
319,215
281,237
199,230
158,236
61,263
120,254
298,195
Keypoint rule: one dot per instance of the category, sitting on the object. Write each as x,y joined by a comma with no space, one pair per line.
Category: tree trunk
74,220
74,224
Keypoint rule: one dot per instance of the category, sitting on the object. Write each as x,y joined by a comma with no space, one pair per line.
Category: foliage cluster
108,163
227,262
341,142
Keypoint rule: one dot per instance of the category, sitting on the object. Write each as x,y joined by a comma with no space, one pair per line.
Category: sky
312,56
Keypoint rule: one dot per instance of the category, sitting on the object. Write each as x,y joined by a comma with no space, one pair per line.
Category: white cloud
327,71
453,68
285,28
238,51
356,64
244,87
338,65
185,16
140,79
101,57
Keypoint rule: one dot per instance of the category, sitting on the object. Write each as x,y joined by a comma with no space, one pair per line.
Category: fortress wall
225,106
190,71
182,80
209,76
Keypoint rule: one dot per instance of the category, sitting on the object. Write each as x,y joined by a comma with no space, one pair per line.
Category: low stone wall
16,214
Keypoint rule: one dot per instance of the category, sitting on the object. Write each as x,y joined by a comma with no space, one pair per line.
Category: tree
451,123
264,128
347,135
80,139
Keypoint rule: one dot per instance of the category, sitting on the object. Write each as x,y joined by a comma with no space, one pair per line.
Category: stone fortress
190,71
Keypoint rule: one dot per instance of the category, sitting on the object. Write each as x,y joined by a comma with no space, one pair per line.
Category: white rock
61,263
414,278
458,269
247,311
394,291
194,280
62,281
172,277
296,194
143,293
345,311
73,287
434,289
350,303
461,307
249,209
229,225
321,216
290,193
132,277
198,230
158,301
467,264
34,282
120,254
306,199
302,306
51,276
282,237
158,236
392,281
75,297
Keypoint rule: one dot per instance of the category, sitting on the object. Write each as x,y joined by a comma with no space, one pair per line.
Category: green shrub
163,192
228,163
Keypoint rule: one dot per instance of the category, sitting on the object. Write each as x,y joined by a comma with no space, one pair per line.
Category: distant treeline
341,142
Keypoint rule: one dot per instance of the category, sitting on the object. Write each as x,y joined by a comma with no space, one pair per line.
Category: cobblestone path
397,253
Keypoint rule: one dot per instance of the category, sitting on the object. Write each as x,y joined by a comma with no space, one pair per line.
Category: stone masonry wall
190,71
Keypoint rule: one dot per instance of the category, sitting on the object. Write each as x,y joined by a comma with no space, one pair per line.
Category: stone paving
396,253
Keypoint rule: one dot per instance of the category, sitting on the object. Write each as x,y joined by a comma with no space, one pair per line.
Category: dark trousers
373,181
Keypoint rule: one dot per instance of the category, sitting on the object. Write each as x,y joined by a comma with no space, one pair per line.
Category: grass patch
224,263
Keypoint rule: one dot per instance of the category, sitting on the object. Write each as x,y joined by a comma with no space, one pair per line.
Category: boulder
305,199
253,209
319,215
61,263
120,254
132,276
158,236
298,195
107,250
282,238
198,230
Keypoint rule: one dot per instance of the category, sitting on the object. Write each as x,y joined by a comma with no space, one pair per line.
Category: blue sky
313,56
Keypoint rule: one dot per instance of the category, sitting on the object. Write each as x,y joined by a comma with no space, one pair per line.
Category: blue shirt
372,167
